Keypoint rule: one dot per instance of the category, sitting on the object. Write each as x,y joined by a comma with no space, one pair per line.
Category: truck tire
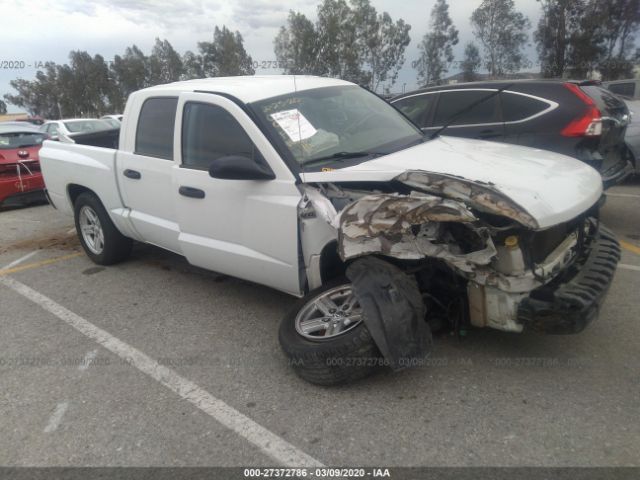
100,239
325,338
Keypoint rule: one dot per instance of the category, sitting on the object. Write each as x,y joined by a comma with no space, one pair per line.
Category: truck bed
104,138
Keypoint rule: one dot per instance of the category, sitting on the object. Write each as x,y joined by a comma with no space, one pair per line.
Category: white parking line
56,417
86,361
623,195
268,442
629,267
19,260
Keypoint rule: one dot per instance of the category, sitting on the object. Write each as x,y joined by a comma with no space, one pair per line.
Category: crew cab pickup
318,188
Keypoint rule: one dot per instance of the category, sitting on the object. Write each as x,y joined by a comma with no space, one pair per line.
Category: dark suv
579,119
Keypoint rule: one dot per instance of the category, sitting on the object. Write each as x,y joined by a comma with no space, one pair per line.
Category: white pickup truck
319,188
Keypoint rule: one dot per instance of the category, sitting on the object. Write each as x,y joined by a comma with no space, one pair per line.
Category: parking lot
155,362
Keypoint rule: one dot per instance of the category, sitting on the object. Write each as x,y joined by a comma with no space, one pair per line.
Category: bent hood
550,187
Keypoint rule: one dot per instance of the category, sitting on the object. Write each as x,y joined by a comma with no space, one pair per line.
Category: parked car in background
20,176
579,119
629,88
632,137
36,120
65,130
114,120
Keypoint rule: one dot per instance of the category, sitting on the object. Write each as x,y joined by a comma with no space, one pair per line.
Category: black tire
346,358
117,247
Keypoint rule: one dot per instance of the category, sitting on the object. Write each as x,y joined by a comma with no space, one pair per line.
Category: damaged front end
489,248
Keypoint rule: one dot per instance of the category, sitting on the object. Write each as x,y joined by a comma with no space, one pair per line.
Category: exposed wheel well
74,192
331,265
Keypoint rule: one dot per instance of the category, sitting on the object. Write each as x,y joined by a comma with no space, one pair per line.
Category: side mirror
237,167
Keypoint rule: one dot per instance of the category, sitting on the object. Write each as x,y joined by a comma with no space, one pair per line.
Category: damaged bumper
568,305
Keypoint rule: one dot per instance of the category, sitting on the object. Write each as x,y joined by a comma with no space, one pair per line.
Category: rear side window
518,107
415,108
154,136
451,103
625,89
210,132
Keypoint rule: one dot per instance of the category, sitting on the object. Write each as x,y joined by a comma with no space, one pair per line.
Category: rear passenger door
244,228
144,174
477,111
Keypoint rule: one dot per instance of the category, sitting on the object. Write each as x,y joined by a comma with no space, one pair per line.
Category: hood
550,187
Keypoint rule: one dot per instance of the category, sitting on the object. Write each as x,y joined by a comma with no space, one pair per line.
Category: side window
626,89
415,108
52,129
518,107
450,103
154,135
210,132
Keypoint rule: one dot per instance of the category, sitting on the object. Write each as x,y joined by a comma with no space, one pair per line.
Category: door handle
191,192
133,174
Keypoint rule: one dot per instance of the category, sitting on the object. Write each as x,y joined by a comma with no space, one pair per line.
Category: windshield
86,126
327,125
21,140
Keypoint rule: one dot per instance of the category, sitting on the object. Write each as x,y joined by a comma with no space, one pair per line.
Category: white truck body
258,229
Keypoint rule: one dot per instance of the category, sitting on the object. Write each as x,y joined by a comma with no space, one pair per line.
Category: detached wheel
325,337
101,240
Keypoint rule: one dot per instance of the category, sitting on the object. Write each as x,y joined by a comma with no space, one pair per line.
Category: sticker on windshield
295,125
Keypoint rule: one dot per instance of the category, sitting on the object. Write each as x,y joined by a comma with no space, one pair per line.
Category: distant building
12,117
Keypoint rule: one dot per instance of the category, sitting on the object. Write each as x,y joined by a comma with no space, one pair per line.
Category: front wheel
101,240
326,339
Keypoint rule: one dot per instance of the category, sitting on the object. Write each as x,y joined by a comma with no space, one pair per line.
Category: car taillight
589,124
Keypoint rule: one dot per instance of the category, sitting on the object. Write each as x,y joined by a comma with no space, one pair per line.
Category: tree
3,108
351,41
558,27
502,32
436,47
296,47
471,63
164,64
338,49
225,56
192,66
39,96
381,43
128,73
618,21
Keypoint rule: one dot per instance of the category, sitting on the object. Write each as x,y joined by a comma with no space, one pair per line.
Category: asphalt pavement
154,362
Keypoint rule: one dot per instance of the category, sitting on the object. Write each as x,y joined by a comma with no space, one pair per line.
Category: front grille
567,305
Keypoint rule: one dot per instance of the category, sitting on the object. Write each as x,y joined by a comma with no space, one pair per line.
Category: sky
47,30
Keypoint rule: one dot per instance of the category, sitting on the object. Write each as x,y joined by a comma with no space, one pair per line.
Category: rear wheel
101,240
326,339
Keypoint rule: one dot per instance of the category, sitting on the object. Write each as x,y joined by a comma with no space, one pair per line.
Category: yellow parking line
42,263
630,247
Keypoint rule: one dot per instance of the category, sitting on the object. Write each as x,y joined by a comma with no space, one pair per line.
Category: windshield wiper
466,109
340,156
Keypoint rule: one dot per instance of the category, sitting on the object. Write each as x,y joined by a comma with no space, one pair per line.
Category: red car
20,177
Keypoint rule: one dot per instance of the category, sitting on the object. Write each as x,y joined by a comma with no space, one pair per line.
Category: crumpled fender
394,311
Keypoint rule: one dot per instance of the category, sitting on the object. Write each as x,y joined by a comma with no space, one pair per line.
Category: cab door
244,228
144,173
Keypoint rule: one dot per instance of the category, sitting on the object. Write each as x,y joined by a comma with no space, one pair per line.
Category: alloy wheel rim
329,315
91,230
